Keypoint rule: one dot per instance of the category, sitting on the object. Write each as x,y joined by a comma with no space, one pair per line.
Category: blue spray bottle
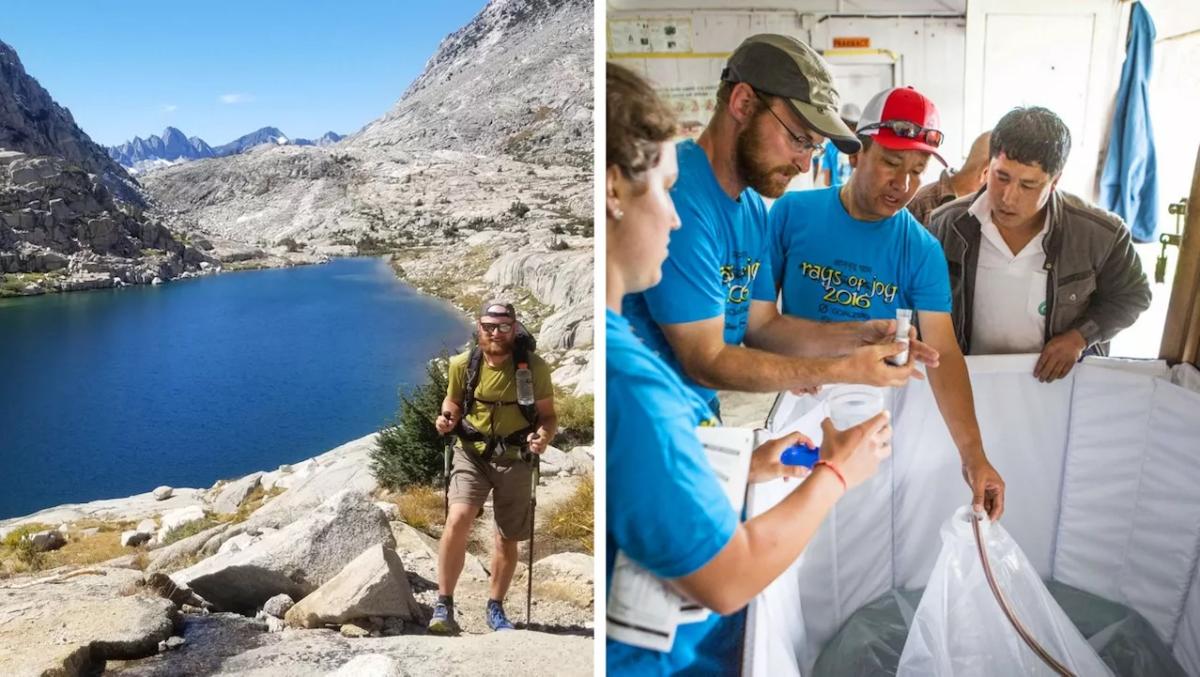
800,454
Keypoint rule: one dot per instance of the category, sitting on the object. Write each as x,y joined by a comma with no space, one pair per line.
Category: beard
753,170
492,347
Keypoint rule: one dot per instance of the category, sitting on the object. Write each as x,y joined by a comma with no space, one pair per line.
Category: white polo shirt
1009,311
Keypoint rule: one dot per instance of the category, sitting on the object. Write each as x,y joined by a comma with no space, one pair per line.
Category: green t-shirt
496,385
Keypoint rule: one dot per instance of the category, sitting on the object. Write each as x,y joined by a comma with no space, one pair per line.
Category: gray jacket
1094,283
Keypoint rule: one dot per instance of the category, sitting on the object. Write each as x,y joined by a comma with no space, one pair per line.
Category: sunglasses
493,328
802,144
908,130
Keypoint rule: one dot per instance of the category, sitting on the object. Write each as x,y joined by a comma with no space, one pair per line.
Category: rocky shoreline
302,570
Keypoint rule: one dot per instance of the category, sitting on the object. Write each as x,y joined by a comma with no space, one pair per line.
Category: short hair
761,101
638,121
1032,135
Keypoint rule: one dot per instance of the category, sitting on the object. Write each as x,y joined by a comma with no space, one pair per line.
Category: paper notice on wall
666,35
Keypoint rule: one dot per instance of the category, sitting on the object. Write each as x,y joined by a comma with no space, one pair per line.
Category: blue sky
219,69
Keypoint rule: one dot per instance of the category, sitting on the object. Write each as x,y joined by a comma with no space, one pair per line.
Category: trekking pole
534,474
446,455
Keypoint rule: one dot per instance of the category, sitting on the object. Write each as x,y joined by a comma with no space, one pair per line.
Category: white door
1057,55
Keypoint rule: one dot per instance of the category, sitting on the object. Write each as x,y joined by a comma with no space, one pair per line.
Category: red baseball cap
902,104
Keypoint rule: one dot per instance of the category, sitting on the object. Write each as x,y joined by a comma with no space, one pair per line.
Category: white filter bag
960,630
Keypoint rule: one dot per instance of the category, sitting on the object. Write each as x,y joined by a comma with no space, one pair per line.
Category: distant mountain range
141,155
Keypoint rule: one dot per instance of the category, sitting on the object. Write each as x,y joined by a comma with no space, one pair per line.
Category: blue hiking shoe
496,619
442,622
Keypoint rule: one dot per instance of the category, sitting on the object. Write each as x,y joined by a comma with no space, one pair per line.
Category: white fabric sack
960,629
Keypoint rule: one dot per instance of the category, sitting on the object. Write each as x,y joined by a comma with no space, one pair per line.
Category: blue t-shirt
666,511
838,164
833,267
718,262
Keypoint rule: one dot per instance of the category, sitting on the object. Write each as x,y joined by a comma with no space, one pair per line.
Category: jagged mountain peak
32,122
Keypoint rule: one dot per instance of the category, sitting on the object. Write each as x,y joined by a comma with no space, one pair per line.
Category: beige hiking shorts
471,480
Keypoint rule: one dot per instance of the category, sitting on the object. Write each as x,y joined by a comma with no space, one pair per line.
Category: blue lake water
110,393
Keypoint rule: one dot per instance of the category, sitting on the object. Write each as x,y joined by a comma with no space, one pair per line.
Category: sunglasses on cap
492,328
908,130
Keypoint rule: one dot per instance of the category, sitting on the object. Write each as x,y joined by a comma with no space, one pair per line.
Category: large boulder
51,539
311,483
175,519
232,495
294,561
374,584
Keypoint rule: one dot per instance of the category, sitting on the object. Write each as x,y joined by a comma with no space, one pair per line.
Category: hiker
854,254
494,429
775,105
665,508
953,184
1035,269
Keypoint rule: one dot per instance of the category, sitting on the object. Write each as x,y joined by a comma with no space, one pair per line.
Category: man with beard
854,254
482,405
775,105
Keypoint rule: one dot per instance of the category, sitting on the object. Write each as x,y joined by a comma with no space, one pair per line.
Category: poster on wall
666,35
693,105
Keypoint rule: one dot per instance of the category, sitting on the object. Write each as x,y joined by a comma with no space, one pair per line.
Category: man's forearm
800,337
549,426
952,390
758,371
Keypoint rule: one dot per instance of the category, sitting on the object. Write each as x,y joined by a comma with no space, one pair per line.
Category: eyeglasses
802,144
493,328
908,130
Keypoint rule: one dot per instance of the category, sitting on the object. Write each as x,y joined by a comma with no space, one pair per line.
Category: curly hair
638,121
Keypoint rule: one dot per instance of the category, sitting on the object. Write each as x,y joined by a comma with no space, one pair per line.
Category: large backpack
524,345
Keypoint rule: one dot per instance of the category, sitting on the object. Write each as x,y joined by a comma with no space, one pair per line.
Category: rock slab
295,560
374,584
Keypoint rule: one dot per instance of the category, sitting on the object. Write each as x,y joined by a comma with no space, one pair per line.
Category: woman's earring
617,214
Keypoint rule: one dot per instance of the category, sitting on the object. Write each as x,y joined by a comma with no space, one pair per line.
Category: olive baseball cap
785,67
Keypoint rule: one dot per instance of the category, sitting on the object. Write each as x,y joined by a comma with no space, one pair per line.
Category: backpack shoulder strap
472,382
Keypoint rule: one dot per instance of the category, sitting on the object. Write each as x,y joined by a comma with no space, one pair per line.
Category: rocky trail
303,570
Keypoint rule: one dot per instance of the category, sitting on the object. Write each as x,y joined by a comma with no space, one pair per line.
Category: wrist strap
837,473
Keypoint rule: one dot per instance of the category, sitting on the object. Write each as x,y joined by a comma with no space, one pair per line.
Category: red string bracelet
836,472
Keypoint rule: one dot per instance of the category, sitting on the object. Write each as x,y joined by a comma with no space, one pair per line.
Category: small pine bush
410,451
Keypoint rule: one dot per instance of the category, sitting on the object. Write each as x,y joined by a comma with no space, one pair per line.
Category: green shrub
576,419
189,529
28,554
518,209
17,536
410,450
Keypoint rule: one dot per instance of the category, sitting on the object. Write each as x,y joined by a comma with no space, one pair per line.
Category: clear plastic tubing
903,324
